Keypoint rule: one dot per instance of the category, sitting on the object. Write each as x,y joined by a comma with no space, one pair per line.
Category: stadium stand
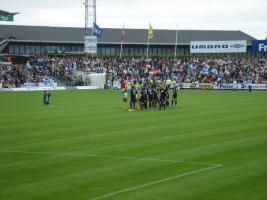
46,70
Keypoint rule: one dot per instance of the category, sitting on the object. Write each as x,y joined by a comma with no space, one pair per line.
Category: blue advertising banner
259,46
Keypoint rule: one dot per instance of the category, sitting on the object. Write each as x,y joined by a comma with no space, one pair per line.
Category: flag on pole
150,32
97,31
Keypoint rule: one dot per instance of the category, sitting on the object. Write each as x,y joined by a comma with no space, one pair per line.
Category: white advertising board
233,46
90,44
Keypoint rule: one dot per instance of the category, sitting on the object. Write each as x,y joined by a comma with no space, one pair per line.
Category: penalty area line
156,182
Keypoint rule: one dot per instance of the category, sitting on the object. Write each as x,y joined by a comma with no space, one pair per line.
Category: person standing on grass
125,98
155,98
167,96
123,84
174,95
163,96
133,98
143,98
46,97
250,87
150,97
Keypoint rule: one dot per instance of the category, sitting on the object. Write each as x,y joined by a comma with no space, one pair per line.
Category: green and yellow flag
150,32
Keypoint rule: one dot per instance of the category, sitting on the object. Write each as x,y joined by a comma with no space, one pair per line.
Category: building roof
112,36
3,44
5,13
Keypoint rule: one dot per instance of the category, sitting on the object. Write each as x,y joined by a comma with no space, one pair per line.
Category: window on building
112,51
136,51
32,49
27,49
142,51
100,51
126,51
38,49
131,51
186,50
22,49
154,51
11,48
165,52
80,48
16,49
170,52
160,51
108,51
54,48
43,49
118,50
180,50
68,49
74,48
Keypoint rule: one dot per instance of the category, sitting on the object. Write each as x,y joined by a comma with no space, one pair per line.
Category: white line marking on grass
156,182
211,166
114,157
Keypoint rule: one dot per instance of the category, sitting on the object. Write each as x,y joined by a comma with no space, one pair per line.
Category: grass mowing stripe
113,133
109,156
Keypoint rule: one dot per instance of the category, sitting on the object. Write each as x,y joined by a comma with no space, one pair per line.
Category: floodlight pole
90,16
86,18
86,15
94,20
94,10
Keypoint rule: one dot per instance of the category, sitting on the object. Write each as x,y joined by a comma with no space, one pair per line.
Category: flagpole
147,51
121,50
122,39
176,41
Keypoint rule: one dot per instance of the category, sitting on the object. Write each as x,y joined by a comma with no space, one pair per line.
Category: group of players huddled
150,94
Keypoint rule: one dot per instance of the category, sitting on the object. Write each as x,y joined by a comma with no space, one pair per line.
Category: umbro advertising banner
231,46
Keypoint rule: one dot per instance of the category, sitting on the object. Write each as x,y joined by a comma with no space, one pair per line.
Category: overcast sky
249,16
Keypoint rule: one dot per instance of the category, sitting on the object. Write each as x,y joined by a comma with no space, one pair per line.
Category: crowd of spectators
208,70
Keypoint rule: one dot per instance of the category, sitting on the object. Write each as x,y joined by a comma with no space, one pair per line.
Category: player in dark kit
133,98
162,99
249,88
174,95
143,98
155,97
167,96
150,97
46,98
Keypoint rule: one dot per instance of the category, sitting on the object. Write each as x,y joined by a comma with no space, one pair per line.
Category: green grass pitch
212,146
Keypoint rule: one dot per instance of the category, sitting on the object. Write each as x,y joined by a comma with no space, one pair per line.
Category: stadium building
37,40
